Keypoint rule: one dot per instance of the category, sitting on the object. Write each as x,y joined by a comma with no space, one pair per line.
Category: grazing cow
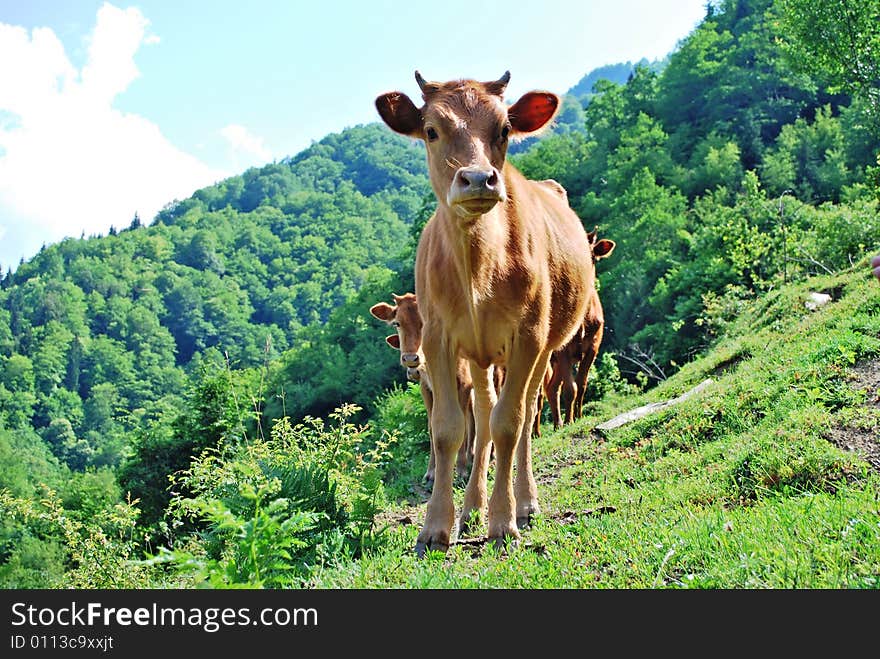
570,367
502,274
404,317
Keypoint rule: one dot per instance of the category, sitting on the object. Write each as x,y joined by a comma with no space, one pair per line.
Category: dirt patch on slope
862,433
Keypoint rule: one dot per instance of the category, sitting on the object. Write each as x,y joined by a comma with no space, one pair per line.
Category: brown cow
593,327
570,367
404,316
502,275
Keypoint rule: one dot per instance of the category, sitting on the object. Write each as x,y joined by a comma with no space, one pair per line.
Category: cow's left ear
533,111
383,311
400,113
603,248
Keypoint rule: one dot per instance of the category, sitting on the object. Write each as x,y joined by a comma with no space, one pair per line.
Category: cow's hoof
525,513
432,538
469,521
502,543
423,548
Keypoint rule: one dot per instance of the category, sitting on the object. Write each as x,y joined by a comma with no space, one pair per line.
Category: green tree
63,442
717,162
214,410
7,340
51,356
839,39
809,159
17,390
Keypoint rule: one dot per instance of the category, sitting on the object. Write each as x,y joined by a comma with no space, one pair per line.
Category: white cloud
243,142
69,161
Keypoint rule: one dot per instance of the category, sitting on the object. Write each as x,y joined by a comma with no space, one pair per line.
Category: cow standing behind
503,275
566,384
404,316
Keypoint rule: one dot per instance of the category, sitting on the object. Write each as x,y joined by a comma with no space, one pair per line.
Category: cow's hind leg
428,399
525,489
553,394
466,450
539,404
569,395
475,495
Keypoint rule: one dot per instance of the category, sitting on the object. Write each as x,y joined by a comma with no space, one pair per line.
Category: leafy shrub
605,378
98,552
401,411
266,512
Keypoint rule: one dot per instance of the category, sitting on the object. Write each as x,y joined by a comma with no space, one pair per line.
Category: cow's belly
487,341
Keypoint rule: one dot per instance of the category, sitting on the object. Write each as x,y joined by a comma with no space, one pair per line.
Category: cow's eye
505,132
431,133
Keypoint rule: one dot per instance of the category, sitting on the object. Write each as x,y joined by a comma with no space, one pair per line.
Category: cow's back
570,269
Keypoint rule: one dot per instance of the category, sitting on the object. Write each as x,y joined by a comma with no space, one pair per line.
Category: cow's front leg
508,422
447,434
583,372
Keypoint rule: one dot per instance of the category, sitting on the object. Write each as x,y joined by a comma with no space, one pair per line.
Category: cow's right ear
382,311
400,113
393,340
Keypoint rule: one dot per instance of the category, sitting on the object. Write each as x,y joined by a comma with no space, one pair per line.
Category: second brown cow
566,381
404,316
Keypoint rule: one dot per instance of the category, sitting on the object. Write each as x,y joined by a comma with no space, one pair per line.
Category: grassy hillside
180,400
760,481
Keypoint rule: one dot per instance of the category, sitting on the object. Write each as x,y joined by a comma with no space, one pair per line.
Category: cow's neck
480,248
482,252
476,250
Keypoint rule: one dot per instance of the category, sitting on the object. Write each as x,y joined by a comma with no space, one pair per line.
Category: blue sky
112,108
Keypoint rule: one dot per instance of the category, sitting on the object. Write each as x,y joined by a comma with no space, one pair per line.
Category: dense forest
163,386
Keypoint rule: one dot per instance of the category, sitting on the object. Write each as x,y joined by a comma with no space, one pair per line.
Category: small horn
423,84
498,86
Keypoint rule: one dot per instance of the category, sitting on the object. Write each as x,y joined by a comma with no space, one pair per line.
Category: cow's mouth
476,205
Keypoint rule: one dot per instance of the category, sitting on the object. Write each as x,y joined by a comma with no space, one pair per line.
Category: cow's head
404,316
466,127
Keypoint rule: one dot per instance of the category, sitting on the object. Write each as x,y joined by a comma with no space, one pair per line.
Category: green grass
738,487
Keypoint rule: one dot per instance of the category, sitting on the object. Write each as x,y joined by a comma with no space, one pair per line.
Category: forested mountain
722,172
619,74
243,267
